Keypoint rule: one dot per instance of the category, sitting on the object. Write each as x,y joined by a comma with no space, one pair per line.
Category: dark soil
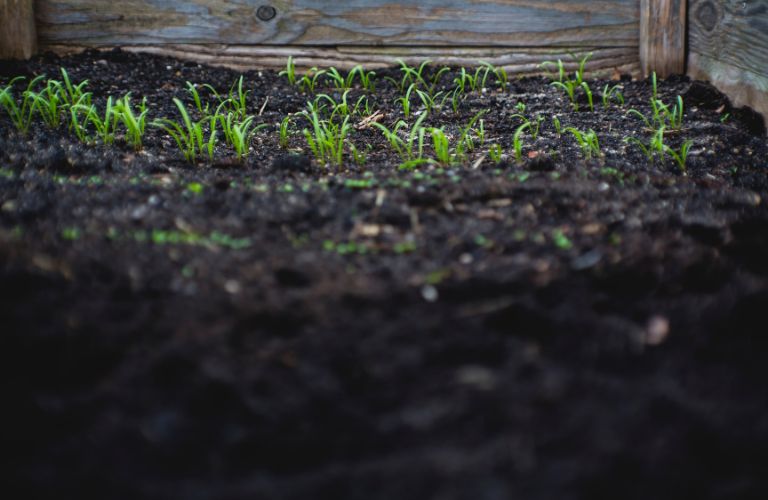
553,329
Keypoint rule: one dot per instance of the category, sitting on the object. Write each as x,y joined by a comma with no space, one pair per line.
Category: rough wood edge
742,87
515,60
663,28
18,36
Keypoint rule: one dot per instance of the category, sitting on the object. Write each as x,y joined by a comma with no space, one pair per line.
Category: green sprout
202,109
517,143
338,81
359,156
290,71
238,133
557,125
405,101
189,135
495,152
236,100
429,100
535,124
502,79
405,147
134,124
326,139
411,76
441,146
49,103
106,126
588,142
466,142
612,93
283,132
680,156
570,84
365,77
21,115
308,82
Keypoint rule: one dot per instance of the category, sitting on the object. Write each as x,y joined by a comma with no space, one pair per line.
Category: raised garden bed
566,322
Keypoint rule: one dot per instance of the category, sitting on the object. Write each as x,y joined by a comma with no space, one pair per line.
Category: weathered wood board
728,45
520,23
18,38
604,62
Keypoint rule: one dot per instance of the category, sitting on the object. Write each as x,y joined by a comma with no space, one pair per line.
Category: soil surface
551,328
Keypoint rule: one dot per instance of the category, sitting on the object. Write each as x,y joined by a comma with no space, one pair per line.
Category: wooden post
18,37
662,37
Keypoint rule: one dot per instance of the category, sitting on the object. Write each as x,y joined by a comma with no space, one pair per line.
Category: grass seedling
189,135
472,82
48,103
326,139
612,93
456,97
588,142
680,156
441,146
360,157
365,77
535,124
238,133
76,125
557,125
237,99
308,82
134,124
21,115
560,70
495,153
78,117
466,142
192,90
336,80
74,94
362,107
106,126
517,142
570,84
429,100
405,147
405,101
502,79
662,115
434,80
569,87
290,71
283,132
411,76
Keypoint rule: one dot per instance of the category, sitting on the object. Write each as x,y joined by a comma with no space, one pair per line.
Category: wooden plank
522,23
604,62
18,39
729,47
662,37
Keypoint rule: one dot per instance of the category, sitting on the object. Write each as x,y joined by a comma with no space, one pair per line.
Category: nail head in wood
266,12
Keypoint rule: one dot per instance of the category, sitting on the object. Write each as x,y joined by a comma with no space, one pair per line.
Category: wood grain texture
604,62
520,23
728,44
18,38
662,37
